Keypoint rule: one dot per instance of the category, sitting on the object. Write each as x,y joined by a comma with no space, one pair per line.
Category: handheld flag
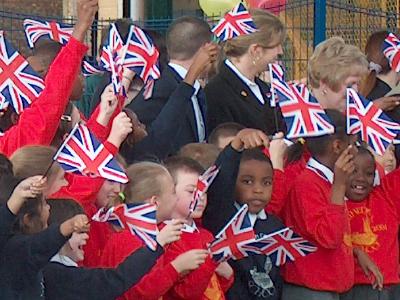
370,122
34,30
235,23
90,68
141,56
282,246
112,58
19,83
82,153
275,73
229,241
203,183
303,115
140,219
391,49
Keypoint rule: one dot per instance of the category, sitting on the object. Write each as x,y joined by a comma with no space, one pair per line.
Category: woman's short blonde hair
271,33
333,61
34,160
146,179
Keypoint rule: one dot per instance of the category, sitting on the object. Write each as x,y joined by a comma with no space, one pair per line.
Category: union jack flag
112,58
370,122
203,183
230,240
141,55
303,114
281,246
34,30
276,72
391,49
19,84
140,219
90,69
83,154
235,23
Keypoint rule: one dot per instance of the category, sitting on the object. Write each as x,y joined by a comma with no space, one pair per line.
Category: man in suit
187,37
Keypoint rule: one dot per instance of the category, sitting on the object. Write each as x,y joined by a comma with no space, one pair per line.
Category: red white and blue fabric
303,115
140,219
34,30
229,242
370,122
82,153
19,83
141,56
281,246
321,170
276,72
391,50
91,68
112,60
235,23
203,183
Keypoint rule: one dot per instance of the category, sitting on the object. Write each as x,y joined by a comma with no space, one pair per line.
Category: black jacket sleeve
7,219
62,282
221,194
162,131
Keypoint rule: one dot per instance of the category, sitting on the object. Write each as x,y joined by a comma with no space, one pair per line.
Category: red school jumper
38,124
374,228
311,214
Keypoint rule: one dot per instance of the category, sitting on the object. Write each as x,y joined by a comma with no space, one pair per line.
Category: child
246,177
63,279
224,133
150,182
30,249
374,214
205,154
38,124
211,280
317,211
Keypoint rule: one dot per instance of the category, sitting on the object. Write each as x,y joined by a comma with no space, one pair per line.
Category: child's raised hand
224,270
78,223
203,59
344,165
190,260
170,233
121,127
249,138
277,151
370,269
86,11
28,188
108,104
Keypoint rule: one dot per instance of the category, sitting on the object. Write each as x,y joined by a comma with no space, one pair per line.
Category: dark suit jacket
229,99
148,110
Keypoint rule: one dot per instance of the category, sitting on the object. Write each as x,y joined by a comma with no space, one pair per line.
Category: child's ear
153,200
14,118
338,146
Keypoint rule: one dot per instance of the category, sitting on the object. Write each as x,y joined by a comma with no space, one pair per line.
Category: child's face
108,193
55,182
254,184
361,182
166,202
186,183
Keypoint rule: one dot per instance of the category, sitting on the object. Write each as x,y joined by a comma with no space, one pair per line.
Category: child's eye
247,181
267,182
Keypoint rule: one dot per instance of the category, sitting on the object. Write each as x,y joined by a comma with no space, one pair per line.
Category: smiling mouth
359,189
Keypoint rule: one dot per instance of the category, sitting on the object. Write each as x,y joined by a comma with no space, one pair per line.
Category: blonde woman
236,94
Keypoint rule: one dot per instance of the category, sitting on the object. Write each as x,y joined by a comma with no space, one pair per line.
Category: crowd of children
209,107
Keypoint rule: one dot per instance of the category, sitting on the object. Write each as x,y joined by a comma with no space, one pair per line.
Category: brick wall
12,23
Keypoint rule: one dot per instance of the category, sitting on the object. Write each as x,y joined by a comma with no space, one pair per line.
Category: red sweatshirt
374,228
202,283
310,212
38,123
153,285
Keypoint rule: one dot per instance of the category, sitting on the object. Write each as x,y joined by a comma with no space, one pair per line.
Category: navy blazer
229,99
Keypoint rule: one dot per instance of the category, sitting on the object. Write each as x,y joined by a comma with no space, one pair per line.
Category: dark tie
201,99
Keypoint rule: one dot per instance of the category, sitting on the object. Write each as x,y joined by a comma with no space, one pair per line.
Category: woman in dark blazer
236,94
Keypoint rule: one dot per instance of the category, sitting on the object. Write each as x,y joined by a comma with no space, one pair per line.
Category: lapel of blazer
190,113
241,89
